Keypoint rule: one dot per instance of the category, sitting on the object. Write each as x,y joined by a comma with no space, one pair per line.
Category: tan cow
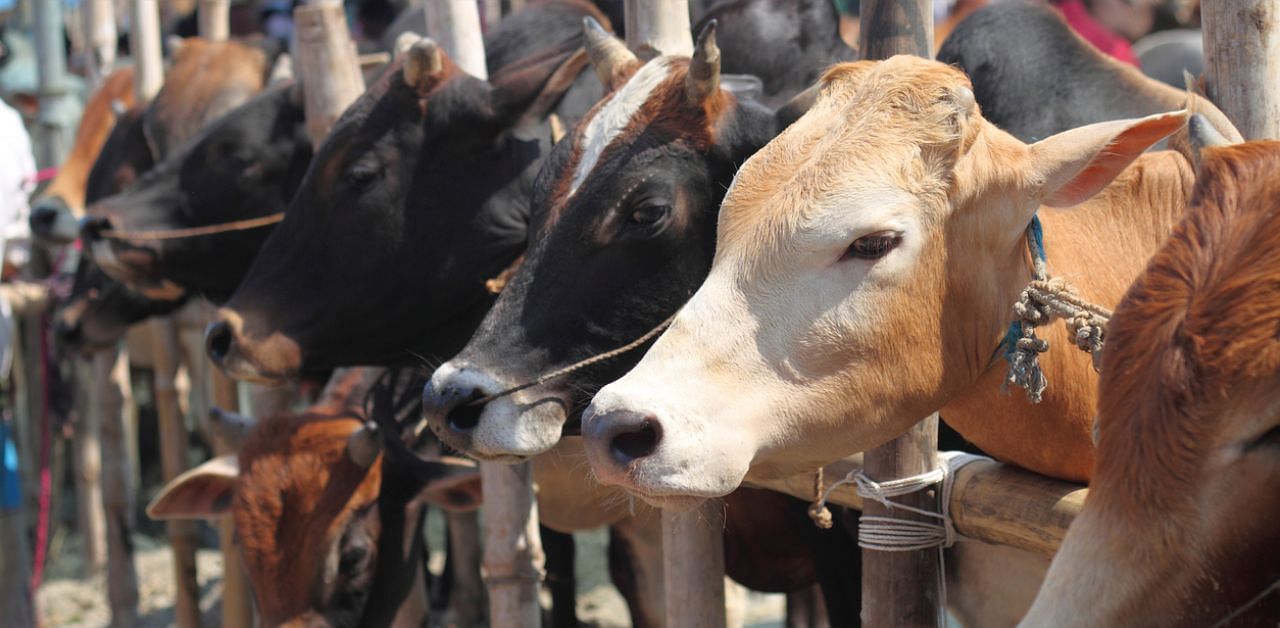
867,261
1182,524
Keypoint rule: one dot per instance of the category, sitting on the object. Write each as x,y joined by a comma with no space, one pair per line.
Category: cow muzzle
507,429
53,222
271,361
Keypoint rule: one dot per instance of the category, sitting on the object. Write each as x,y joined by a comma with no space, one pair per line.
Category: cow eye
651,214
874,246
351,558
362,175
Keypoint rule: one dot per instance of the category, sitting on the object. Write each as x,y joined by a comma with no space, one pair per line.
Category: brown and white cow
327,514
865,267
1182,524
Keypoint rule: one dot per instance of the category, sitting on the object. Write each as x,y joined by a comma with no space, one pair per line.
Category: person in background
17,180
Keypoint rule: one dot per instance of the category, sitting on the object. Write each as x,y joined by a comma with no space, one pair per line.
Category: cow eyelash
873,246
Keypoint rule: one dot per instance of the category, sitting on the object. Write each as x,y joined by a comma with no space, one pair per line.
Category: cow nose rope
1041,301
579,365
890,534
192,232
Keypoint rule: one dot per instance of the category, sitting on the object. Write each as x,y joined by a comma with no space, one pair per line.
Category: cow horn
364,445
423,60
229,427
608,55
282,70
704,69
1204,135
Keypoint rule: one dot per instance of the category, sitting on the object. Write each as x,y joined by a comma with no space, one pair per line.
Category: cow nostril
67,334
637,442
464,417
217,341
43,218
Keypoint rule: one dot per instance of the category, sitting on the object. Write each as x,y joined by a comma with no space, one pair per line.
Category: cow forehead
607,123
875,126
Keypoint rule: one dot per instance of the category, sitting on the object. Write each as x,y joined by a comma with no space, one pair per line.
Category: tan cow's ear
200,493
1074,165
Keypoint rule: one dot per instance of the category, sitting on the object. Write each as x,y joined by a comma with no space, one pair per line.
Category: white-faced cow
1182,524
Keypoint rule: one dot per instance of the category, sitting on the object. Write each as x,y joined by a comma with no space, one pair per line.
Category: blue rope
1035,244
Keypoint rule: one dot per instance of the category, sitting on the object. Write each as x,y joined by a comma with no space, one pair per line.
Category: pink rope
46,477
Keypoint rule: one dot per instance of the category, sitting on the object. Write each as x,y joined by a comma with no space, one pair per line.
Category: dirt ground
66,599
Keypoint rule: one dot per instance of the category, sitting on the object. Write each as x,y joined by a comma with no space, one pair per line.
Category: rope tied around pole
1040,302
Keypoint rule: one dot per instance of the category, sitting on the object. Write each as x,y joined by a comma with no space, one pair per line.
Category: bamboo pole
51,67
455,26
693,566
111,399
513,558
214,20
1242,63
98,18
144,44
327,64
658,27
901,588
87,459
466,594
173,461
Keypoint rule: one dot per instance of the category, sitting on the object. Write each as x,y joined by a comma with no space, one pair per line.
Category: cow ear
455,486
200,493
1074,165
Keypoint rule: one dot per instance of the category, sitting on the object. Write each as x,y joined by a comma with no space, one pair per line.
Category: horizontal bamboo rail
990,501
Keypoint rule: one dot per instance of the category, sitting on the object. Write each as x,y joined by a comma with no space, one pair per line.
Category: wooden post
900,588
53,137
658,27
1242,63
214,22
693,566
144,43
455,26
87,459
173,461
327,64
513,558
466,595
99,21
111,400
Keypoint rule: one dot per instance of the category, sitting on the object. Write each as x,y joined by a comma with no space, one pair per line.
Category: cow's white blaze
612,117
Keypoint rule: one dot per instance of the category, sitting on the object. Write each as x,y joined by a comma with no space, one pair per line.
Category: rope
1040,302
579,365
1233,615
191,232
883,533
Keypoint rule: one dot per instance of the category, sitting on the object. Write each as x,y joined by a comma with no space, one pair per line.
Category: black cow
623,231
247,164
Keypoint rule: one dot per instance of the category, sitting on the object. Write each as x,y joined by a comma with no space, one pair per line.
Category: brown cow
1182,524
327,514
55,212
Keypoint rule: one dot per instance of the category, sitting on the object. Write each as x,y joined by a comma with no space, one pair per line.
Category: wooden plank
658,27
144,43
173,461
327,64
111,399
1242,63
990,501
455,26
513,558
693,566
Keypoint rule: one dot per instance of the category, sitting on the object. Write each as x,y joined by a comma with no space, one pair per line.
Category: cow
61,204
1057,80
626,205
244,165
865,266
328,513
1182,526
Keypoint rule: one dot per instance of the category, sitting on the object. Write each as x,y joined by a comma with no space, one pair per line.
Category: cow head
416,198
328,523
100,310
247,164
1182,506
865,263
624,224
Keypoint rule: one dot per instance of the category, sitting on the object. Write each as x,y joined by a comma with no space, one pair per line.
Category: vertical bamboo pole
173,461
1242,63
455,25
513,558
466,595
51,67
111,399
327,64
658,27
900,588
87,459
214,20
144,43
99,22
693,566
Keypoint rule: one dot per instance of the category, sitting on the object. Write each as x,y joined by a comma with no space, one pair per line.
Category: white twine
891,534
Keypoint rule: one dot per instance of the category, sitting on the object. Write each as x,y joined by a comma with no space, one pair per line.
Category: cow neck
1100,247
